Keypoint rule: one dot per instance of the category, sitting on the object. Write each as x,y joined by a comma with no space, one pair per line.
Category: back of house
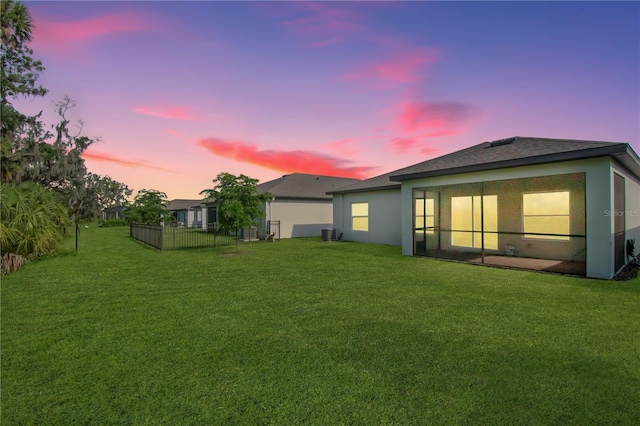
557,205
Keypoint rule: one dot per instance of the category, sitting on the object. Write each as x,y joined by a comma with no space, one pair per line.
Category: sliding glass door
425,222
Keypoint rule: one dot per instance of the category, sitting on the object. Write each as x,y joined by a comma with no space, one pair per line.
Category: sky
177,92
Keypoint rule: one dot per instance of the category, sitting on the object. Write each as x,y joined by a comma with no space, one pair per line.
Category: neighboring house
115,212
205,213
300,204
185,213
550,204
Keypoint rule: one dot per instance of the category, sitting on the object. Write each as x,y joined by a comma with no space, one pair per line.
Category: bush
32,219
112,222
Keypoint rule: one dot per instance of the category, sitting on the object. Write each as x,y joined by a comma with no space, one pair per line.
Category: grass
300,331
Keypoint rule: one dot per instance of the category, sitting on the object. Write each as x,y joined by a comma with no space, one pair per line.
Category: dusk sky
180,91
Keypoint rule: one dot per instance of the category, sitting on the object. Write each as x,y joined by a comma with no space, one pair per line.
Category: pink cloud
108,158
405,67
419,122
436,118
407,144
284,161
166,111
62,36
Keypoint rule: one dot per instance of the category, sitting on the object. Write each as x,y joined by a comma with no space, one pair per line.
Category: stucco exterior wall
299,218
598,197
384,213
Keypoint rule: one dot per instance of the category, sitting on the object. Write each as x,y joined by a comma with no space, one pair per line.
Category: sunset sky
180,91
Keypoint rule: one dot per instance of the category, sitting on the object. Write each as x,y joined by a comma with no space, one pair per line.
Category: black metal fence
273,230
148,234
170,237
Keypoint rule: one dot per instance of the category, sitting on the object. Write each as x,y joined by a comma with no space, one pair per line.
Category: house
550,204
115,212
300,206
184,212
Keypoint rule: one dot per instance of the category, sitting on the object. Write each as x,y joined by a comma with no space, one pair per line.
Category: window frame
550,238
353,216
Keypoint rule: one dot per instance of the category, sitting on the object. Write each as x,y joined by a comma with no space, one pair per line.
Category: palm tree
32,220
15,24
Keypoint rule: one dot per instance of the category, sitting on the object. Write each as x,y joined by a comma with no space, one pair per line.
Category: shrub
112,222
32,220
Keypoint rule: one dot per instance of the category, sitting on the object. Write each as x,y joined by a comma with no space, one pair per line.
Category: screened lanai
531,223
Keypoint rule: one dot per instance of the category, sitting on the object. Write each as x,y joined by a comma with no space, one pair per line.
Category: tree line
44,183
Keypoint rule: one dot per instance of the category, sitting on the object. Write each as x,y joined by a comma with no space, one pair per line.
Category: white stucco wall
384,212
598,182
299,218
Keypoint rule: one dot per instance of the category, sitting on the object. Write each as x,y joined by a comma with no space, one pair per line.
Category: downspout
271,215
270,208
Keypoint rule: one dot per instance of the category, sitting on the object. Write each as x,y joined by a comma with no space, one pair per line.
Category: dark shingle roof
503,153
300,185
179,204
512,152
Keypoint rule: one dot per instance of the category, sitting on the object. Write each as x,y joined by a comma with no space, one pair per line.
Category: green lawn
300,331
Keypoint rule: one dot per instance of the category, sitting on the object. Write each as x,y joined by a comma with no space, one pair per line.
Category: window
360,216
545,215
425,215
466,218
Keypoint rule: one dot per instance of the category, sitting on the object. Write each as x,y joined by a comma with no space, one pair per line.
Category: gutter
368,189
